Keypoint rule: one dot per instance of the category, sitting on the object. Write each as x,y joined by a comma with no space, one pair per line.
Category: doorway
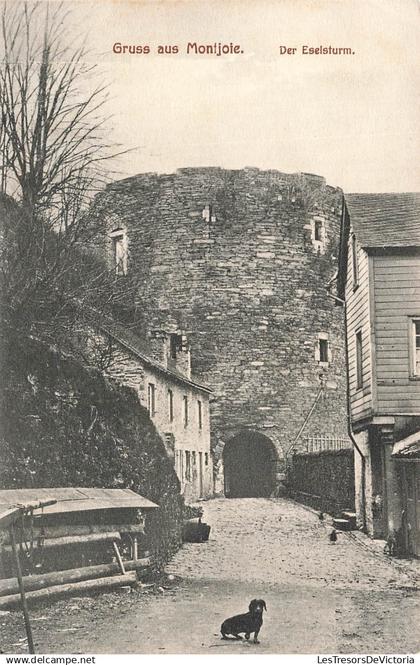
249,461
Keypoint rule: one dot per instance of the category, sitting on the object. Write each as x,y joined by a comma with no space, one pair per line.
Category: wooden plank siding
396,298
358,319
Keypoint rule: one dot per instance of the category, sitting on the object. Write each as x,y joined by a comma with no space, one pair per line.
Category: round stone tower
239,261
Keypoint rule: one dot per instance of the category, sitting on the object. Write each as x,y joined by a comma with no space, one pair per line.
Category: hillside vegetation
63,424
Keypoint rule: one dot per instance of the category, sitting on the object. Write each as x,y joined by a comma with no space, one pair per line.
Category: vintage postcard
210,337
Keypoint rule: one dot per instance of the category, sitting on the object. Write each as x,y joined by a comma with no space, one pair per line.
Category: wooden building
379,280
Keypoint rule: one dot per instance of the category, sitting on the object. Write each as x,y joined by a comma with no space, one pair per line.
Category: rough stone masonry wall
247,284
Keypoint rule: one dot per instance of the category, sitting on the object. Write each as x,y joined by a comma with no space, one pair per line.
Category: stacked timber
84,525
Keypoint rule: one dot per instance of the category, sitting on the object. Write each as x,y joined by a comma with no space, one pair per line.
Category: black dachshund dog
248,623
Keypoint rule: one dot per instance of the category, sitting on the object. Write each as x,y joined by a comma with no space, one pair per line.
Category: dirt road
321,597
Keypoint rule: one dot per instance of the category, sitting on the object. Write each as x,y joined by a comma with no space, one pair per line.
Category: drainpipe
349,429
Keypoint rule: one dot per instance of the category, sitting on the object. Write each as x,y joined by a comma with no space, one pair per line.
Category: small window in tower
318,231
206,459
318,235
323,350
208,213
175,345
119,243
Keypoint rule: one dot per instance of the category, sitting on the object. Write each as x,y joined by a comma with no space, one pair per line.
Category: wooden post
22,591
135,548
119,559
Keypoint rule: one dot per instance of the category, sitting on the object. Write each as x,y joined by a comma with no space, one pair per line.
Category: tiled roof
385,220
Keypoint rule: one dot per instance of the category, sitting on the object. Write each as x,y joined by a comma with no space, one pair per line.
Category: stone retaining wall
323,480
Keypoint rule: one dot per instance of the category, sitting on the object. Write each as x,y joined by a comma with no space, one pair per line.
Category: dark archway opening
249,461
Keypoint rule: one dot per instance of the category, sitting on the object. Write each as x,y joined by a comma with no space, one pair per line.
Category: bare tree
54,148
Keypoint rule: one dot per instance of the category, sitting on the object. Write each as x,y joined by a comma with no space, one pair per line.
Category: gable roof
385,220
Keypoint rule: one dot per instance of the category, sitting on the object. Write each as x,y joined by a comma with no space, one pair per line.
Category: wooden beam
119,559
33,582
68,589
48,543
79,530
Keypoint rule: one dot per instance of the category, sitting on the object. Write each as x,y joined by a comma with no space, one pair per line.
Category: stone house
240,259
159,370
379,280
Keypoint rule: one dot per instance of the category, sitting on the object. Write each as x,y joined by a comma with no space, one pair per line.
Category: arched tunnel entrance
249,461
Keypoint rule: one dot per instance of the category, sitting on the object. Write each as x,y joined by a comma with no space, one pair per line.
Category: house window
185,403
200,415
119,242
151,398
355,262
415,347
187,465
359,360
170,405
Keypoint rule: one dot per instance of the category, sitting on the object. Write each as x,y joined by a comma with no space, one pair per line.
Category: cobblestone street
321,597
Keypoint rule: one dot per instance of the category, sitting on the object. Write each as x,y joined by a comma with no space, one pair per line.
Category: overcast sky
351,118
